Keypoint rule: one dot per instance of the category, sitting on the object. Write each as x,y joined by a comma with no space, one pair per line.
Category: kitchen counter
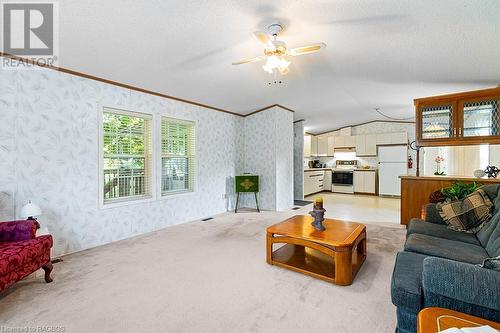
316,169
415,191
358,169
453,178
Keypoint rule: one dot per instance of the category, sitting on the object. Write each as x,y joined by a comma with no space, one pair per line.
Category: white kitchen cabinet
344,141
350,141
314,145
365,181
383,139
371,145
322,146
399,138
366,145
358,182
360,145
307,145
370,180
331,146
313,181
327,181
310,145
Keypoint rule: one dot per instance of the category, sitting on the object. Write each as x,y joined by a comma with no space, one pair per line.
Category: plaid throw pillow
467,215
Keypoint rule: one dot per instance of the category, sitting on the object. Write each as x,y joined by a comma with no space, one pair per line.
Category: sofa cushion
445,248
487,231
406,284
493,246
14,231
13,255
469,214
417,226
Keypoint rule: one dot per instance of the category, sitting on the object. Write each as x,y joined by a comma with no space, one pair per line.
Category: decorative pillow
467,215
491,263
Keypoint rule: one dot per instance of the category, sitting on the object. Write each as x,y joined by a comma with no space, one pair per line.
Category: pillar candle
318,203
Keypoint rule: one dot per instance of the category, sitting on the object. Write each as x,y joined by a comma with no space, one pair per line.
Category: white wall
269,153
460,160
49,154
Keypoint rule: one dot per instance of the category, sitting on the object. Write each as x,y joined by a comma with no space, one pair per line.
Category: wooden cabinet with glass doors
468,118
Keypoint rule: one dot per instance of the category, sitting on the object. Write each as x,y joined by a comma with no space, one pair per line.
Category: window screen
178,160
126,156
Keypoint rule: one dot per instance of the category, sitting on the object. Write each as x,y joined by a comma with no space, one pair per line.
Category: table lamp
30,210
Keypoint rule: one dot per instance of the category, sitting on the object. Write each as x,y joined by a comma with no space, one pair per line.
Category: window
126,148
177,156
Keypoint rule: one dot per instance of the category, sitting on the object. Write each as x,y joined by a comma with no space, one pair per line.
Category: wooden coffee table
334,255
433,320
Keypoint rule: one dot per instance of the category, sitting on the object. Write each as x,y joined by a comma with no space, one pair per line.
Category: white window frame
130,200
175,194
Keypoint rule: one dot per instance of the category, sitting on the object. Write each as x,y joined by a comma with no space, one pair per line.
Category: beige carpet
204,277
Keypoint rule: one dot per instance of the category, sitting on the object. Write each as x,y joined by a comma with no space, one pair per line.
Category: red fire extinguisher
410,162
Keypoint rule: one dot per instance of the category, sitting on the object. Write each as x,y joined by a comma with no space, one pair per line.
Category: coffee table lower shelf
315,263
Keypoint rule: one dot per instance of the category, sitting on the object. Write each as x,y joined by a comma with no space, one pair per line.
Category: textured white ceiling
379,54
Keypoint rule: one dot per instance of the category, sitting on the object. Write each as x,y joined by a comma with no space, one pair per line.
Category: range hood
345,150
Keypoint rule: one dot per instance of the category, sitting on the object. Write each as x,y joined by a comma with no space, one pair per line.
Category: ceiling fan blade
246,61
306,49
263,38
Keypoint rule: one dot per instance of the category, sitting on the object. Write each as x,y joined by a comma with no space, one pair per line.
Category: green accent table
246,184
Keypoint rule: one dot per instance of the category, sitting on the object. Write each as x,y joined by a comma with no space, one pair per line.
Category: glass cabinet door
480,118
436,121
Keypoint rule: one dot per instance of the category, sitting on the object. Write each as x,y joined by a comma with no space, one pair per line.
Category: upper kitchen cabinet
310,145
331,146
397,138
323,146
468,118
344,141
366,145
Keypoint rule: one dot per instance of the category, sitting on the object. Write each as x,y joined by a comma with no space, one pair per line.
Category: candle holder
318,213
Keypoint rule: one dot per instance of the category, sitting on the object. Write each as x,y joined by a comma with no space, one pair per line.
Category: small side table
246,183
432,320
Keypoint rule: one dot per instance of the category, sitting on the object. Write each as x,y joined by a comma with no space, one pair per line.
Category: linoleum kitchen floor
205,277
360,208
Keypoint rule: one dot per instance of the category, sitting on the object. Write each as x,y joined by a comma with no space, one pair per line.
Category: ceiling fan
276,51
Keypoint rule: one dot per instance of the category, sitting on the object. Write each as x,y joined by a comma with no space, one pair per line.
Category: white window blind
178,156
126,156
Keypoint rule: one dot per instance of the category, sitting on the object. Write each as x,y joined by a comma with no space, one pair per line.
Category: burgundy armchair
22,253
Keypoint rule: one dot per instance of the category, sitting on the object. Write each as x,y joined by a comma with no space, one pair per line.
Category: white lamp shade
30,209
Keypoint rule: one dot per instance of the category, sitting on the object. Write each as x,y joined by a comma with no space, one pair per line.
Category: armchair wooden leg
47,268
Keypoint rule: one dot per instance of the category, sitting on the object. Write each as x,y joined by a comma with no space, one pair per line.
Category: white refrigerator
392,163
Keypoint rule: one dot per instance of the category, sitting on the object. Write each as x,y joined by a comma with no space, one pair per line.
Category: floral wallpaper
49,154
269,153
298,158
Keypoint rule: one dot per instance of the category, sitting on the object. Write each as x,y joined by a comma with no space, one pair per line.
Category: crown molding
118,84
267,108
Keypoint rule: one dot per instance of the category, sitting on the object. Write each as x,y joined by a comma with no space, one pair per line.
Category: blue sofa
439,267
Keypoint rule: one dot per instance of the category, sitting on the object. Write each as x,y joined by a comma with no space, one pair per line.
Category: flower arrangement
438,161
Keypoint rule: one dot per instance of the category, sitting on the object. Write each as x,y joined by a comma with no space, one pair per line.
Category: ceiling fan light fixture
276,63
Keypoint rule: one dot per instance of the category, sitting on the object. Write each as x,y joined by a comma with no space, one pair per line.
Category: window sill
122,203
176,195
